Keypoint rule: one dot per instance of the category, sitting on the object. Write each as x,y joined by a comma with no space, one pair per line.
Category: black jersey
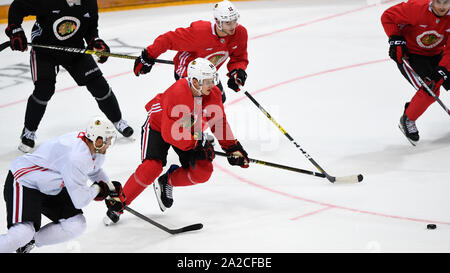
57,23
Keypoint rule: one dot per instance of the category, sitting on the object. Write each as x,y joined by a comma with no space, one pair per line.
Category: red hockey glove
17,37
98,44
118,200
143,63
237,78
397,48
236,155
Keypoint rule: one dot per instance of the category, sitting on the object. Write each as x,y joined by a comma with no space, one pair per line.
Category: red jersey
172,114
200,40
425,33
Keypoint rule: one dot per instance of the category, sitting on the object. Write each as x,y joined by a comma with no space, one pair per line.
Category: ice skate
27,140
163,190
26,248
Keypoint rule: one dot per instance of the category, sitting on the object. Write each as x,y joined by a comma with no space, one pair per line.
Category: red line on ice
327,205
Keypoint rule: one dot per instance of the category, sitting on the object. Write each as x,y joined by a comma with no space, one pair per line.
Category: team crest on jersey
66,27
429,39
188,120
217,58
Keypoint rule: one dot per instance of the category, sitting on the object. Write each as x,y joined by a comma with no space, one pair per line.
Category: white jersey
61,162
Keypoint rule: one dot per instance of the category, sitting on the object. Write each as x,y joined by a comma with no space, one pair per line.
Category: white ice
321,69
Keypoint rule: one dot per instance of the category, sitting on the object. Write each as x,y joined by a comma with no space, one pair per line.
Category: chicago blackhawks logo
66,27
217,58
429,39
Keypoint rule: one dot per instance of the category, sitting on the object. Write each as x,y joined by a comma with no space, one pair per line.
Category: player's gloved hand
236,155
17,37
237,78
98,44
203,150
441,76
117,200
397,48
104,191
143,63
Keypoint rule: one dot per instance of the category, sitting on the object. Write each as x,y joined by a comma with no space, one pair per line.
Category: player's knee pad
74,226
148,171
18,235
202,171
43,91
99,88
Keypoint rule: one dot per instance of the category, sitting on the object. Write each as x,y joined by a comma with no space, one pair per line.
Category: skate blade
413,143
24,148
158,196
107,221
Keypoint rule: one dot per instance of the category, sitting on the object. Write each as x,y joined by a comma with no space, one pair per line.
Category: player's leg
67,223
154,152
188,175
23,215
86,73
178,177
43,73
424,67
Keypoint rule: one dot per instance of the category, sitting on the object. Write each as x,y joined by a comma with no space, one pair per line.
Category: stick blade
187,228
349,179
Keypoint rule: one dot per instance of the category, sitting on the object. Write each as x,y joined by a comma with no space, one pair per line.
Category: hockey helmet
100,127
225,11
202,69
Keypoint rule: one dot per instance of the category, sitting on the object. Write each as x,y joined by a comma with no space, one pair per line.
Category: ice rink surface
321,69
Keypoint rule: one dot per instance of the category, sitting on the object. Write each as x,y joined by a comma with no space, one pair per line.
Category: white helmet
225,11
100,127
202,69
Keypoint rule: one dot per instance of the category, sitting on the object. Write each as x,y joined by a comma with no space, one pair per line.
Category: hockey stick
85,51
426,86
332,179
156,224
166,229
94,52
4,45
265,163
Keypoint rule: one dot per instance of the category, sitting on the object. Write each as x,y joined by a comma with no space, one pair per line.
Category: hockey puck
431,226
360,177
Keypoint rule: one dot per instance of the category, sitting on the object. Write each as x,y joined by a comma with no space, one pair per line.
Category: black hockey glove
441,74
143,63
237,78
98,44
397,48
236,155
117,200
104,191
17,37
202,151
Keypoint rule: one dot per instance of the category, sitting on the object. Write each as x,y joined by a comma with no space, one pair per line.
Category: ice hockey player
52,181
215,40
177,119
61,23
418,30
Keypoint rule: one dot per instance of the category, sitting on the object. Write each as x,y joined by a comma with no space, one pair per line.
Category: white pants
53,233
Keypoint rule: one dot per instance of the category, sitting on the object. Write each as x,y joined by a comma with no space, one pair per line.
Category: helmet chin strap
220,25
191,84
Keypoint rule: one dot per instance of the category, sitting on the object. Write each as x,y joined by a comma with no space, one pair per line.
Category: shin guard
144,176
